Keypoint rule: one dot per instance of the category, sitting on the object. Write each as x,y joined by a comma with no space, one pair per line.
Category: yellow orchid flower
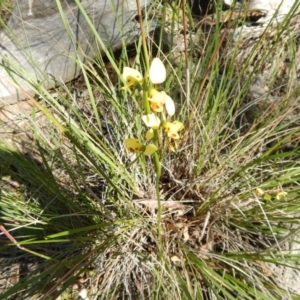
172,128
280,195
151,120
157,72
259,192
135,146
131,76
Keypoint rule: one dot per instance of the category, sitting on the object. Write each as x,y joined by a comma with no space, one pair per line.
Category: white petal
157,71
170,106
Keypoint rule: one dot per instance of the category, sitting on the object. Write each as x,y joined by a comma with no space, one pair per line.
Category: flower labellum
157,100
156,106
151,120
156,96
157,73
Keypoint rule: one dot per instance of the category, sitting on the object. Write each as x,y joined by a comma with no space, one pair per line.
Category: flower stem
148,111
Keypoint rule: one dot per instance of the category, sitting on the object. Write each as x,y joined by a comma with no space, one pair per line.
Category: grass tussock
5,11
219,221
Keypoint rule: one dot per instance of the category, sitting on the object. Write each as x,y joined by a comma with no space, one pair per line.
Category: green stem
145,97
144,43
157,181
156,156
148,111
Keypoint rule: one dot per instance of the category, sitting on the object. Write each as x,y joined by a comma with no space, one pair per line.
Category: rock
40,46
274,9
272,60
